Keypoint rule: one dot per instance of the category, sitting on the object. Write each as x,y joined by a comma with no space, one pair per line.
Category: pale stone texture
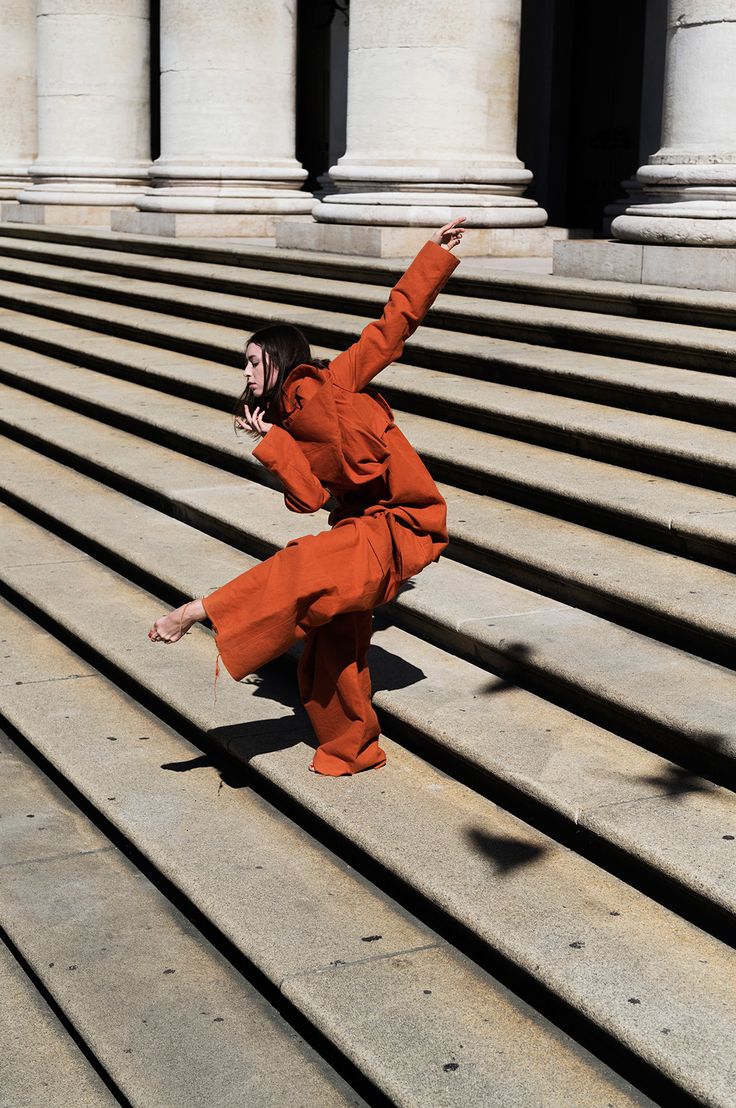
227,163
689,185
432,113
17,87
685,267
40,1063
405,242
93,110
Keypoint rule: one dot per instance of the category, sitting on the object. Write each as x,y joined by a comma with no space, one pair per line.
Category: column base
404,242
664,228
202,224
688,267
62,215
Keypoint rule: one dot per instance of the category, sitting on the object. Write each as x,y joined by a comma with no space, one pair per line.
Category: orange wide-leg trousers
321,589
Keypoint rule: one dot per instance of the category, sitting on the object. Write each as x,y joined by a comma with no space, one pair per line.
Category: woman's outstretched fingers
451,234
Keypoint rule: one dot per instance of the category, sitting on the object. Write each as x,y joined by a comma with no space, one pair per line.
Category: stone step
682,394
40,1062
684,519
600,948
680,518
573,772
683,602
677,449
657,697
665,303
691,395
483,323
424,1023
161,1010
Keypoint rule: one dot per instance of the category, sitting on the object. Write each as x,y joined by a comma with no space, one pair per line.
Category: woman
323,436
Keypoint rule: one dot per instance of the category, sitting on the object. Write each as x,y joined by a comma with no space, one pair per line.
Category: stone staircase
533,904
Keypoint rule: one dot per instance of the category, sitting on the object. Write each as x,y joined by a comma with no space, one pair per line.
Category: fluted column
93,110
17,94
432,116
689,185
227,163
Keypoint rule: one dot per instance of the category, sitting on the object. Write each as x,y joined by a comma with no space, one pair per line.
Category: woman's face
258,376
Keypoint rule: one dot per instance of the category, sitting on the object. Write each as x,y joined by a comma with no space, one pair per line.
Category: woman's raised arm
411,298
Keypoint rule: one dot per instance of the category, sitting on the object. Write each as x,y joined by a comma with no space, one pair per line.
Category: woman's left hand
450,235
254,421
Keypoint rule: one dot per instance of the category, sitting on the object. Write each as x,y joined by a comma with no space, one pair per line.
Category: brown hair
284,347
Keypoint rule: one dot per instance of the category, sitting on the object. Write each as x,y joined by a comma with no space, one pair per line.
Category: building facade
355,126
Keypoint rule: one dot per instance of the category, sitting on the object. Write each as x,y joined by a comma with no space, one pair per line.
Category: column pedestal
93,113
227,164
689,185
18,89
404,242
431,132
681,228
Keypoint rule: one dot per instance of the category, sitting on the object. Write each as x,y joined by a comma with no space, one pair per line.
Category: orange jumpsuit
390,522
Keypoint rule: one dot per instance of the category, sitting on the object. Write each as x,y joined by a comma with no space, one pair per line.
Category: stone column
431,133
689,185
227,164
93,112
18,91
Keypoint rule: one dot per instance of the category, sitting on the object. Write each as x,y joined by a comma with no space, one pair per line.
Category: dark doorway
321,86
580,103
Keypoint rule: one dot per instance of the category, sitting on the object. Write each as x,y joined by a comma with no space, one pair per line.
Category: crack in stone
682,23
636,800
56,857
360,961
61,562
48,680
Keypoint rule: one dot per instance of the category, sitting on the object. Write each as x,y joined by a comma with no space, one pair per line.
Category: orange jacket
337,440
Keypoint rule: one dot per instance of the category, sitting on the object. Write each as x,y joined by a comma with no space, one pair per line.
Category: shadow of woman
231,747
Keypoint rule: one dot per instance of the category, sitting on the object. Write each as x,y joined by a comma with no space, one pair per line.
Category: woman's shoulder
307,401
304,381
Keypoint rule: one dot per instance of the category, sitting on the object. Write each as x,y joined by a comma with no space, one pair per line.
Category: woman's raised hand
450,235
254,422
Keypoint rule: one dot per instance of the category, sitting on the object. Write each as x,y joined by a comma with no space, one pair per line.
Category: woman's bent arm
281,455
383,341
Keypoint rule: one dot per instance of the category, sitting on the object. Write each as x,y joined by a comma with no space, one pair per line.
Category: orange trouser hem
320,589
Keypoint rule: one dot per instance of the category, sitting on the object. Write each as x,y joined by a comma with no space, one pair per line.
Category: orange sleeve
280,454
383,341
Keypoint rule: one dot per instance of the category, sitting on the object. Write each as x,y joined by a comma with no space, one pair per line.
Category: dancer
324,436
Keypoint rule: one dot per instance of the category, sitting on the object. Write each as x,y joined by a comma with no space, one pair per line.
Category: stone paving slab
166,1016
546,752
40,1063
405,1012
541,901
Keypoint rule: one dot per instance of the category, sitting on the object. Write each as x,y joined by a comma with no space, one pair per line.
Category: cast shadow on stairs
233,746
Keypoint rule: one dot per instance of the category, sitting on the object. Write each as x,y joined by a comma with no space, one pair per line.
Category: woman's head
270,355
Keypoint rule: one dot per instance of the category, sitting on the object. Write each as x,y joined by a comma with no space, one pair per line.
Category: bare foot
175,625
